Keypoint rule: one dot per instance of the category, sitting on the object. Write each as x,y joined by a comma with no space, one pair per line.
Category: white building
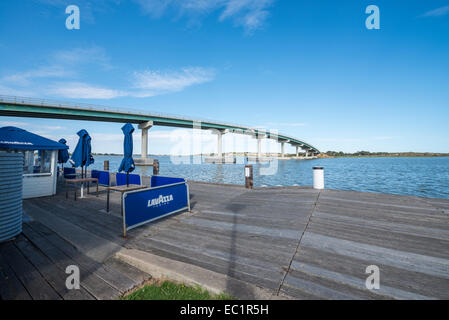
40,160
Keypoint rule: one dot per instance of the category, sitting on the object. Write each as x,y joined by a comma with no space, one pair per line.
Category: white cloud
150,83
286,124
12,124
82,56
66,64
251,14
79,90
437,12
24,78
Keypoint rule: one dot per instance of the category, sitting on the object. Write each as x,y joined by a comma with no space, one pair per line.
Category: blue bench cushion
133,179
157,181
102,176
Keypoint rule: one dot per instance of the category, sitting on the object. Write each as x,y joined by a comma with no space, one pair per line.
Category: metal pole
106,165
155,167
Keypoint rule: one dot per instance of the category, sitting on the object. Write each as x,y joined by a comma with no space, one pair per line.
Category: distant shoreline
320,156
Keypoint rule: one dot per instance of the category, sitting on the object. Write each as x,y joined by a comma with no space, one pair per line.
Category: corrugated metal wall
11,170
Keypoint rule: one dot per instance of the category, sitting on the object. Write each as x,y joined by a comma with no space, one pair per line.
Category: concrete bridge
13,106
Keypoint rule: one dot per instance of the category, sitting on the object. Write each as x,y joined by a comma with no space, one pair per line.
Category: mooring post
106,165
155,167
249,176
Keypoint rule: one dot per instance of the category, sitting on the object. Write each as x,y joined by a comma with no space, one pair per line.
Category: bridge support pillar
297,151
307,153
220,144
144,161
259,148
144,127
282,149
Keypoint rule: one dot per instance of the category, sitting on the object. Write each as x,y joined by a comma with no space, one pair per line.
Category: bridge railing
96,107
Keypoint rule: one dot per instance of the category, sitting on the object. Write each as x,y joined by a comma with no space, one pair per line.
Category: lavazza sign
161,200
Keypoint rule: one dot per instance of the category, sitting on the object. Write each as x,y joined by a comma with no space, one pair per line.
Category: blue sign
145,205
157,181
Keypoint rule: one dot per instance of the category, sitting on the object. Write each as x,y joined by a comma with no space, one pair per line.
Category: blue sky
309,69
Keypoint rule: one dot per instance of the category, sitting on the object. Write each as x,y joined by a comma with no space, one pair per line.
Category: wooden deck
298,242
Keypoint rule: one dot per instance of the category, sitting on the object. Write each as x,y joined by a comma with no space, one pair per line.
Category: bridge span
13,106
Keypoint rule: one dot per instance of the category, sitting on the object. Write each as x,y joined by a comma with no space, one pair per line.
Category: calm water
425,177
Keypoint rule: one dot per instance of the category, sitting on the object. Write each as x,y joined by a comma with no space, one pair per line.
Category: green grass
168,290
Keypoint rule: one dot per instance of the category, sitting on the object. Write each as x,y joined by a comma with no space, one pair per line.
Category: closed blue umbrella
63,155
127,163
82,155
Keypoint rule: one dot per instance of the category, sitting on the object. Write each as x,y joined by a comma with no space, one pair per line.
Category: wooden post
249,176
155,167
106,165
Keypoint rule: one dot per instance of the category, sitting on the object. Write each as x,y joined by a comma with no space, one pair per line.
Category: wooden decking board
359,283
85,206
317,289
87,221
279,233
431,221
436,233
30,277
220,258
391,240
131,272
116,280
293,222
92,245
379,205
54,276
292,291
10,286
89,281
228,252
251,240
380,255
240,272
250,245
401,279
252,235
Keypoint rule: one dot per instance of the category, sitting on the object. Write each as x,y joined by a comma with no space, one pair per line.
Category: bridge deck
299,242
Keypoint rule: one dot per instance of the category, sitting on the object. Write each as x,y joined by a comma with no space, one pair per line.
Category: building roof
19,139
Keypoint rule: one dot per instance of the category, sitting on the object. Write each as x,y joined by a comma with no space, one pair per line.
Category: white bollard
318,177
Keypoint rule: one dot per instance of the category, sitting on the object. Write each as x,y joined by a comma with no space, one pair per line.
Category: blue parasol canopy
63,155
127,163
19,139
82,156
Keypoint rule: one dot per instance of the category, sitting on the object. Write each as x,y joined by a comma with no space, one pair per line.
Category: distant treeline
384,154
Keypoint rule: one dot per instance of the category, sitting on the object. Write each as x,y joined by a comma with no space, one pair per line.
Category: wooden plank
380,255
244,273
96,247
10,286
337,281
404,284
119,281
91,282
414,244
133,273
54,276
35,284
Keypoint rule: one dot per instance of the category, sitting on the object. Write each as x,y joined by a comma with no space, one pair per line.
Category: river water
425,177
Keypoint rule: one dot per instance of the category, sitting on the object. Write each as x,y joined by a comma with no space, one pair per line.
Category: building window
37,161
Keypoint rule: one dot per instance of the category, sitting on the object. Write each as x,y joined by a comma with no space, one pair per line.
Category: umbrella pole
127,179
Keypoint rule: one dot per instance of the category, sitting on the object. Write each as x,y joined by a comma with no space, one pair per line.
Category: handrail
128,111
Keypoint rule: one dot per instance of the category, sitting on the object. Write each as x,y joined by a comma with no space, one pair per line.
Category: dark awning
19,139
